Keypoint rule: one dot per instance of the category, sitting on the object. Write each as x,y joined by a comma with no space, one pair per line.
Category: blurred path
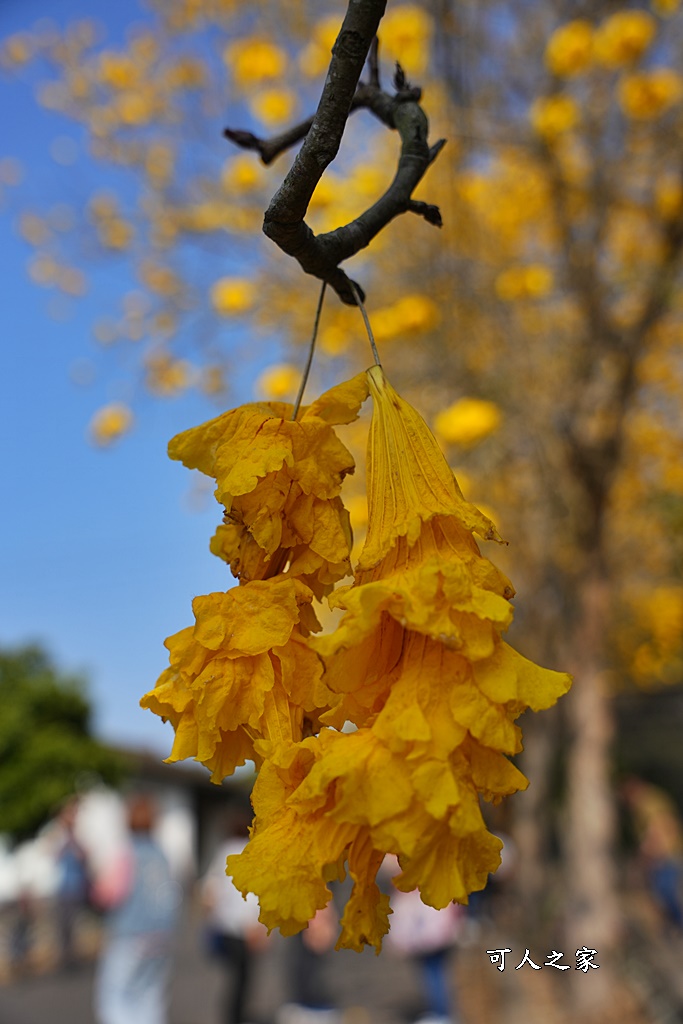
369,989
375,990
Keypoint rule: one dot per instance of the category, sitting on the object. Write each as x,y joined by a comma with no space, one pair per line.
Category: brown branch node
431,213
284,223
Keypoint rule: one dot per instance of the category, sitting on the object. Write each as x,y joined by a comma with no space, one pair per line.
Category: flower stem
311,350
368,328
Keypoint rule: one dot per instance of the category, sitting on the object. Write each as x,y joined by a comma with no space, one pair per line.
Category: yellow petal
341,404
287,876
450,867
507,677
370,782
251,619
409,480
366,915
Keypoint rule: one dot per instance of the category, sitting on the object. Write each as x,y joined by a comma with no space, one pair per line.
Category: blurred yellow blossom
405,36
665,613
648,94
467,421
624,37
159,278
316,55
232,296
666,8
34,228
570,48
413,313
117,70
16,49
165,375
334,339
72,281
115,233
43,269
669,197
212,380
552,115
280,381
186,73
135,108
109,423
242,174
255,60
159,163
418,312
532,281
273,106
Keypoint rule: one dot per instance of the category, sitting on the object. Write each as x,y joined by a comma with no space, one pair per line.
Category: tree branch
284,221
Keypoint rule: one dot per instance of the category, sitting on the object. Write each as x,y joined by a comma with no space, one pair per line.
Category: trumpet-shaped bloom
279,480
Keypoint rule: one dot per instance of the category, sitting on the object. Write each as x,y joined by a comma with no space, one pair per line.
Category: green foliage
46,750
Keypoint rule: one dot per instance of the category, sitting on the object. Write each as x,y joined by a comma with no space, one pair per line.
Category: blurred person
73,882
660,844
311,1002
428,938
235,935
142,900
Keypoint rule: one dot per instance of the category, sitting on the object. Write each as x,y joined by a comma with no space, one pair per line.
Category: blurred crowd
108,883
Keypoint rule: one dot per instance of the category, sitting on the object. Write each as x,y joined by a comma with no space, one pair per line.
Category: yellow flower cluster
532,281
278,381
649,94
619,40
570,48
244,674
109,423
552,116
405,36
624,37
273,106
166,376
467,421
255,61
417,664
232,296
419,667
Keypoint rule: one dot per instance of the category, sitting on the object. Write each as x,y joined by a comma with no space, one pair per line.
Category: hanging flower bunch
417,664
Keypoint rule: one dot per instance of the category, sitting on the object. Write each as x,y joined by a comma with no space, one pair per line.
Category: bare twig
311,350
432,214
343,92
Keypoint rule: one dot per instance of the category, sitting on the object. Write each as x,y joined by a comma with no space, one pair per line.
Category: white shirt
229,912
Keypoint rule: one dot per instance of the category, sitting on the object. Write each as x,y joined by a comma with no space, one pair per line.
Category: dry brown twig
343,92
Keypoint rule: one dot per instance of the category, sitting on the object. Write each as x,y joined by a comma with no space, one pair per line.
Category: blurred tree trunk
593,911
533,820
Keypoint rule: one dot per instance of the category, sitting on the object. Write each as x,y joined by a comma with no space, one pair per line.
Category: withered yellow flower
279,480
420,668
241,674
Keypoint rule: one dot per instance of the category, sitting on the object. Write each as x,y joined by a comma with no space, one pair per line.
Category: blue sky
100,551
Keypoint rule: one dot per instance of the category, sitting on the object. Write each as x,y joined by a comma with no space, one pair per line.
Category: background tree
47,751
